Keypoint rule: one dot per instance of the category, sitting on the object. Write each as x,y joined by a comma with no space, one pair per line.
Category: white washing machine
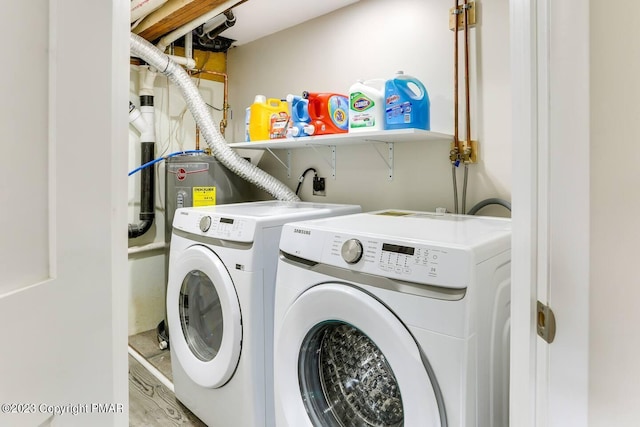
220,296
393,318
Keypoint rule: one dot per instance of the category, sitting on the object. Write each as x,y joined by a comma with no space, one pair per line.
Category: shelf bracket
286,165
389,160
331,162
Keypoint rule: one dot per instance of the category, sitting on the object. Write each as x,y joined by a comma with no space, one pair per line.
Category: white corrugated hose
198,108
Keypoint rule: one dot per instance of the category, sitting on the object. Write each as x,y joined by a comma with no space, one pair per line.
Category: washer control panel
215,226
412,262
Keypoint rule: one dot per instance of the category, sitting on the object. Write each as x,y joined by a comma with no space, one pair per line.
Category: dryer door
204,317
344,359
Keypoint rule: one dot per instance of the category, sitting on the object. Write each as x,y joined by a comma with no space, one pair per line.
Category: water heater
200,180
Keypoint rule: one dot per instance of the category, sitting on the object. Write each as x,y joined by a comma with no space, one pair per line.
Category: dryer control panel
215,226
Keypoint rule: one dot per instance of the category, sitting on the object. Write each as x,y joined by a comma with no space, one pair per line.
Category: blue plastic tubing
159,159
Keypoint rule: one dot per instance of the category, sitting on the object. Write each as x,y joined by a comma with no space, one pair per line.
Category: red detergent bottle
329,112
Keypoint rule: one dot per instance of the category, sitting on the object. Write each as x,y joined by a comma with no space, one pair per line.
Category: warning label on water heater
204,196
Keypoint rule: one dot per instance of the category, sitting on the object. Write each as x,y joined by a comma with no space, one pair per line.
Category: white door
63,126
339,365
204,316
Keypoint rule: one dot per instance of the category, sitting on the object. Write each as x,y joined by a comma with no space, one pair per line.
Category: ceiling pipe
215,22
165,41
218,22
211,30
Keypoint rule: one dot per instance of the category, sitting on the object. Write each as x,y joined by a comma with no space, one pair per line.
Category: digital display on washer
398,249
226,220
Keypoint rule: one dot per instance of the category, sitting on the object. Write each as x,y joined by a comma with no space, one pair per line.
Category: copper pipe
454,155
197,137
466,71
467,150
225,105
455,78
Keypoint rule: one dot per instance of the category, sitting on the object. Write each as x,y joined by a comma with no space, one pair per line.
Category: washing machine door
204,317
342,358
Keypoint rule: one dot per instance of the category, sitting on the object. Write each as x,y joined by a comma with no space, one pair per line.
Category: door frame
549,70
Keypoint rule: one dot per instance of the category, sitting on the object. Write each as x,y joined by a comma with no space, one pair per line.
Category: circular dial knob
205,223
351,251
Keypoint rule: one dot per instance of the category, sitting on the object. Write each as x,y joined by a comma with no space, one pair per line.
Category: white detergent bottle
366,105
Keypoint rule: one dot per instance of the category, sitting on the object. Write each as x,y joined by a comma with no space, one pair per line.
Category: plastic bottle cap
260,99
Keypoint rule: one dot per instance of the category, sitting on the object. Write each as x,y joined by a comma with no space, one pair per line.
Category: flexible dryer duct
216,142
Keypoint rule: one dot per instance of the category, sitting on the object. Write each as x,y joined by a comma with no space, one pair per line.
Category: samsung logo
300,231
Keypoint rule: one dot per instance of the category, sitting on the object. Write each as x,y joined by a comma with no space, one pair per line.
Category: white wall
175,131
614,371
373,39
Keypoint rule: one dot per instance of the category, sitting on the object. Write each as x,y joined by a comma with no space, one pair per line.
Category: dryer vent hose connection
198,108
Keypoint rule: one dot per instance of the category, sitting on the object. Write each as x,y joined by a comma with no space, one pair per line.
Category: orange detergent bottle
329,112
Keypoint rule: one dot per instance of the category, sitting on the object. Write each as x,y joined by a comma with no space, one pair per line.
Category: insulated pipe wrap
216,142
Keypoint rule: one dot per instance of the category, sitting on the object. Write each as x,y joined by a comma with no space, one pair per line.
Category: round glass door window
201,315
345,380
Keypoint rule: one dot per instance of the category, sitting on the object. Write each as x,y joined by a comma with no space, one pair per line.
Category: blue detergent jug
406,103
300,120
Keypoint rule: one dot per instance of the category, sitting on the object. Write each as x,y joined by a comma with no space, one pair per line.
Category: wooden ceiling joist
174,14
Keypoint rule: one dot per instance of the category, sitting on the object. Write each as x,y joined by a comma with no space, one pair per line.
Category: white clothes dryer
220,298
393,318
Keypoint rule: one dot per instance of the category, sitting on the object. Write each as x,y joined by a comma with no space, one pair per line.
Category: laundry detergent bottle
406,103
268,119
366,105
300,120
329,112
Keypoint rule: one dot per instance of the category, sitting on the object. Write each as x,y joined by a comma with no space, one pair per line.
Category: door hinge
546,322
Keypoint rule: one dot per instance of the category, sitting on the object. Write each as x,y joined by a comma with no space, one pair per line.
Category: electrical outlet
318,187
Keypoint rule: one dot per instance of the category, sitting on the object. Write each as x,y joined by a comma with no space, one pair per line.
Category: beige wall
614,367
373,39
